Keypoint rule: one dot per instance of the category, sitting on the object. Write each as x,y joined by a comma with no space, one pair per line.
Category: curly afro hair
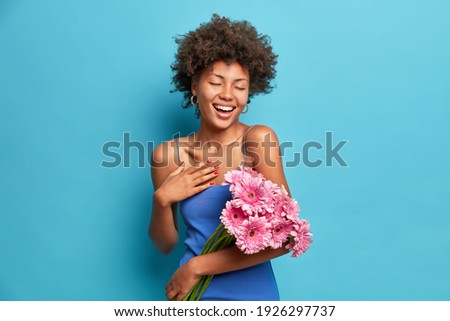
230,41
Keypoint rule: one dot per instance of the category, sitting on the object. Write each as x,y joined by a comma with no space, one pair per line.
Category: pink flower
254,235
272,192
232,218
280,201
281,228
233,176
268,215
252,196
262,214
300,238
291,208
236,175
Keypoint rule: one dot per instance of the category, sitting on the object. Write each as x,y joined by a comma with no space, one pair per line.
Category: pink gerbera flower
272,191
281,228
233,176
254,235
268,215
300,238
291,208
251,195
280,201
232,218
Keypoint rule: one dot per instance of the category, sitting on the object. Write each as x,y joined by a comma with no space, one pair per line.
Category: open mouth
223,108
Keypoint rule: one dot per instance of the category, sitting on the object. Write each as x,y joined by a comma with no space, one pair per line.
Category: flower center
252,233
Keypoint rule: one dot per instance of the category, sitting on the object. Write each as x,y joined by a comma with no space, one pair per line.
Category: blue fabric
201,214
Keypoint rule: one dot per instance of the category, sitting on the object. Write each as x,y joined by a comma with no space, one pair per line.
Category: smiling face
222,93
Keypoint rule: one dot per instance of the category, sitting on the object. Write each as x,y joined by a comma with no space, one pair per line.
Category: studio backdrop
360,104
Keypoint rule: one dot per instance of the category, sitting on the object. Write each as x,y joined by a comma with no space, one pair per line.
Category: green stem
206,284
219,240
219,231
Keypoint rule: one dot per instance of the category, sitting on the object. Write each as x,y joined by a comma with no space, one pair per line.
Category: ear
194,88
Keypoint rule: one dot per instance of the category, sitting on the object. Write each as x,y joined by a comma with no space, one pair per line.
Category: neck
224,136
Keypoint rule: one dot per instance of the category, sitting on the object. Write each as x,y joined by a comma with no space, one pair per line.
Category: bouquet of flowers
260,215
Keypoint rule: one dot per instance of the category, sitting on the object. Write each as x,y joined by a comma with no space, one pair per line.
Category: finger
211,162
171,294
202,187
192,168
169,286
206,178
197,167
201,166
204,171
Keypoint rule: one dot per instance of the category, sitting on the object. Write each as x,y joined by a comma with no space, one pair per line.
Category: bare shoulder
163,154
164,160
261,133
262,144
264,151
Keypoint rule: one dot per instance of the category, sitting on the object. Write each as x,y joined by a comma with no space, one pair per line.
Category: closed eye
215,83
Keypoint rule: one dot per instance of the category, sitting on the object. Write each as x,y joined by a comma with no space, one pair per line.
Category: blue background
77,74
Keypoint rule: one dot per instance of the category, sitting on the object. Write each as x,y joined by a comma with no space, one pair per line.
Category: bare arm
163,229
265,153
231,259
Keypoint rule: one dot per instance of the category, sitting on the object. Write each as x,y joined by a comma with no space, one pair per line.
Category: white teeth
224,108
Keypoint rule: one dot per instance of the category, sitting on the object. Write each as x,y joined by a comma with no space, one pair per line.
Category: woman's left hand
181,282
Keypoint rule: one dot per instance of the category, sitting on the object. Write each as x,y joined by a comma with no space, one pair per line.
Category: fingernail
216,167
216,172
209,161
211,183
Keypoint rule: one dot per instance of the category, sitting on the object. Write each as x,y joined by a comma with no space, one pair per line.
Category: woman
218,67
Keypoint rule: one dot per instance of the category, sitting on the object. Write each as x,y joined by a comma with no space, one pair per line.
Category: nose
226,93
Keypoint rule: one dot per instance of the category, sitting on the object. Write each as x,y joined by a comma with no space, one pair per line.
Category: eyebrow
222,77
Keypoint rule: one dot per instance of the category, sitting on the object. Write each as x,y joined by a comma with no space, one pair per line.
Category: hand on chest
226,157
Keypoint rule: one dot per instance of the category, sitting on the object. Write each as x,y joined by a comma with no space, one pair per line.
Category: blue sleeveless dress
200,214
